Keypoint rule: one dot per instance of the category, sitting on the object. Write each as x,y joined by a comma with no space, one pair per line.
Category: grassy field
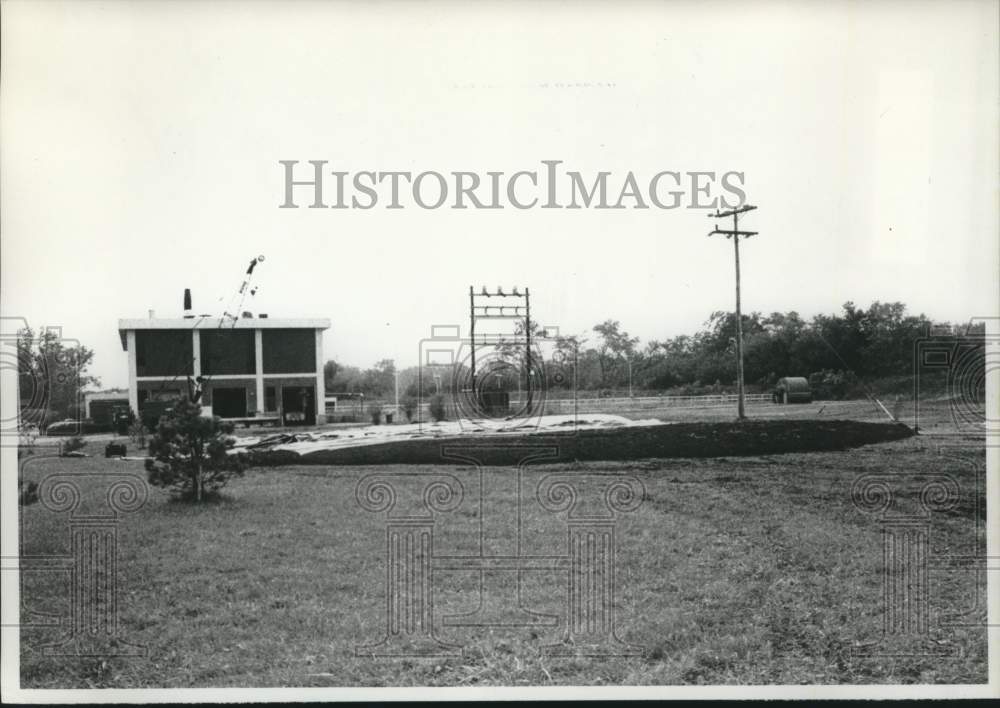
746,570
933,413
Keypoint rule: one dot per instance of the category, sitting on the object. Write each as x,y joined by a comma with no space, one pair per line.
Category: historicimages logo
548,187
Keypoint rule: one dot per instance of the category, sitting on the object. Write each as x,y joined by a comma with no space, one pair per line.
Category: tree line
840,353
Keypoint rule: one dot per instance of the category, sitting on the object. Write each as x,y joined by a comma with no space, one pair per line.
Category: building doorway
229,402
298,404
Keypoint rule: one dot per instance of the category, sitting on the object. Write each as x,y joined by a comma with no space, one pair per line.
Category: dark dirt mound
729,439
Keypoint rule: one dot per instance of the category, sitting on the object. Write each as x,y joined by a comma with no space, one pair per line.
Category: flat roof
105,395
125,325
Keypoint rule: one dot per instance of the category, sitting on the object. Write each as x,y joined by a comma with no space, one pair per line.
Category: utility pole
735,235
472,340
527,349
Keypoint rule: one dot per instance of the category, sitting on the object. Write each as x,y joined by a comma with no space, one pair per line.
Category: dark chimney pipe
187,299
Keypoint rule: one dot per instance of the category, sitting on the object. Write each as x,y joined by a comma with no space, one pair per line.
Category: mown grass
737,571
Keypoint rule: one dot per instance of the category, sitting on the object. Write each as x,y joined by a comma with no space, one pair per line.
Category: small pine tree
188,453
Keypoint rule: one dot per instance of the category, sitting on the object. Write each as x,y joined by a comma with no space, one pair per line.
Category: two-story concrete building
249,367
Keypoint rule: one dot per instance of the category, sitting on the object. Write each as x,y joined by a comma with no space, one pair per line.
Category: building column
320,382
133,385
195,353
258,357
206,410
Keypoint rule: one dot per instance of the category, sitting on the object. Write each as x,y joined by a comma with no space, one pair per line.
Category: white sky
140,145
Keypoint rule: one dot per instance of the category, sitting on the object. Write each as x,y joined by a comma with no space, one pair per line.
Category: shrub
375,413
27,493
73,444
409,407
834,385
437,407
137,433
188,453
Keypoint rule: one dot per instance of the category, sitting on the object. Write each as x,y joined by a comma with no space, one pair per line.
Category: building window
229,402
227,351
270,399
289,351
163,352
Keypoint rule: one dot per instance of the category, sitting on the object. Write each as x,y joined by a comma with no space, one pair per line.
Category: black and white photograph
472,351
